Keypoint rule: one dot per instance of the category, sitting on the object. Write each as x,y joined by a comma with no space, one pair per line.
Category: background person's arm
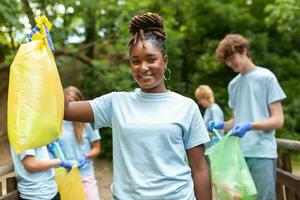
226,125
229,124
275,120
200,173
79,111
95,151
31,164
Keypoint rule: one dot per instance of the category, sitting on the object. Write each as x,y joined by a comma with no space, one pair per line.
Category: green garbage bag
230,174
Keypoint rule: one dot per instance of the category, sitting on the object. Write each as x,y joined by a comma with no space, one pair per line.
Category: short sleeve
274,90
29,152
102,110
217,114
207,116
230,99
94,135
197,133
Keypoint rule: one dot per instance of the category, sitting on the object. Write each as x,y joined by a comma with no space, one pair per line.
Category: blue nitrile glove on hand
66,164
239,130
82,161
213,125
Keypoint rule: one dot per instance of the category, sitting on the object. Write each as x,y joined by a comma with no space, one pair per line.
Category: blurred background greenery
91,39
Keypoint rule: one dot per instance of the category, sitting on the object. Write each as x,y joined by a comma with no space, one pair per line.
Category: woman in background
79,142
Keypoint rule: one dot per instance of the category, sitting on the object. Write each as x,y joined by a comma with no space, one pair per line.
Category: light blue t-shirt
250,95
38,185
151,133
213,113
73,150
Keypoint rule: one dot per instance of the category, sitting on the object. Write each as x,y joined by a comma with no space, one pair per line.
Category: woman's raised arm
80,111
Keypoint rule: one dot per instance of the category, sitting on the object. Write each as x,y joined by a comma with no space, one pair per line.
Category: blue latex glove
66,164
82,161
239,130
213,125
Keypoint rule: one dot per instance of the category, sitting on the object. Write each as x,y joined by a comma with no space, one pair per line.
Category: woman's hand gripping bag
230,174
35,96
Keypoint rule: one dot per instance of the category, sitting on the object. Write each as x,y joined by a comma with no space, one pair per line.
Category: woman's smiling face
148,66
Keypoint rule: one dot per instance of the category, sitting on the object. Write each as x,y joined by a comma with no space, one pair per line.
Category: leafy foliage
92,37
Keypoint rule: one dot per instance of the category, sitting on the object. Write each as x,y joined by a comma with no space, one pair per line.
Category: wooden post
11,184
287,166
0,188
279,187
279,192
284,170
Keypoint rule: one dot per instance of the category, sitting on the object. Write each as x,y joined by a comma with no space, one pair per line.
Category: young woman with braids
153,128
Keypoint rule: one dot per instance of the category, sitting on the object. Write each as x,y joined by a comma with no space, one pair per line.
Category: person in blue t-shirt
213,112
80,144
255,97
153,128
35,174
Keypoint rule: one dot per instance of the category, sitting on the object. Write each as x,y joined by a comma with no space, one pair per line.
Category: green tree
91,39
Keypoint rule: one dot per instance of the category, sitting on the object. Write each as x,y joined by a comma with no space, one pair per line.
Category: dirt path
104,177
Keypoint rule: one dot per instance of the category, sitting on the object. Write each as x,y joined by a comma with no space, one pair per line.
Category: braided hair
148,26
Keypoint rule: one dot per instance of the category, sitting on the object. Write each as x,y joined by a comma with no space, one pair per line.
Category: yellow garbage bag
35,96
69,184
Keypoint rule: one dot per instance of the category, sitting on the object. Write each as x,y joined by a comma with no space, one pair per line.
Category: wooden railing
288,185
8,183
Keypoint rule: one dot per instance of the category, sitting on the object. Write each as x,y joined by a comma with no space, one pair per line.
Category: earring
169,77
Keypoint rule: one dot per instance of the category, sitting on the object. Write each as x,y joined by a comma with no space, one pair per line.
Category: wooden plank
287,166
11,196
279,192
11,184
286,162
288,144
6,169
289,180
